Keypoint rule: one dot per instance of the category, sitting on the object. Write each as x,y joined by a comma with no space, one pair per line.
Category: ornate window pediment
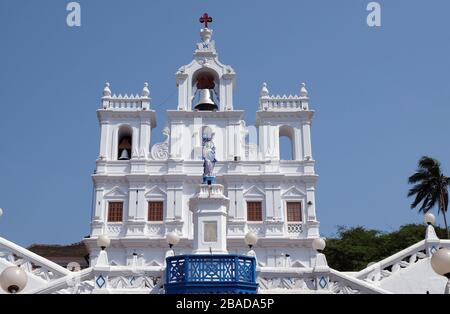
155,193
293,192
115,193
254,192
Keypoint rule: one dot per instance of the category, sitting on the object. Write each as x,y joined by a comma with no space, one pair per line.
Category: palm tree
431,187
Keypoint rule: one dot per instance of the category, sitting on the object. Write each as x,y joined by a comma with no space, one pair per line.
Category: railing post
253,269
432,242
321,273
236,269
168,269
186,269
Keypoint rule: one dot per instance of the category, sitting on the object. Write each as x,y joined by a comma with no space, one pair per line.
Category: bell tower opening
124,142
204,84
287,143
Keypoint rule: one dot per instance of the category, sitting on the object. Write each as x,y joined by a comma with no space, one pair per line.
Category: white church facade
143,192
214,187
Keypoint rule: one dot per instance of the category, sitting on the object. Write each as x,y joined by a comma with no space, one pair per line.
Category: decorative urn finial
106,90
206,34
145,91
303,91
264,90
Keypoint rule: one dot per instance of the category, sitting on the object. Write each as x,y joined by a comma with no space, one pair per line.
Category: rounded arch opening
124,142
205,90
287,143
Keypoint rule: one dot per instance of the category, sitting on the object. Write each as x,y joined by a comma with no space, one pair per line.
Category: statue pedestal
209,207
208,180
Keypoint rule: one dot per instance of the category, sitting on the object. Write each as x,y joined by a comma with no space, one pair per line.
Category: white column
223,95
98,206
104,139
183,95
278,206
229,149
175,141
142,207
307,139
232,210
196,140
112,142
145,137
178,191
275,133
269,204
298,144
265,143
135,140
171,202
226,94
310,210
132,206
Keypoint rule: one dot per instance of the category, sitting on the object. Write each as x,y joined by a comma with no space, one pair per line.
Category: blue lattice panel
211,274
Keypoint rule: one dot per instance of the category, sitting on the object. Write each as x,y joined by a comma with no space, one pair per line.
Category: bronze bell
205,102
124,155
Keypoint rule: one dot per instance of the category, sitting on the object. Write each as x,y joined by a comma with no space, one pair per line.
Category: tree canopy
354,248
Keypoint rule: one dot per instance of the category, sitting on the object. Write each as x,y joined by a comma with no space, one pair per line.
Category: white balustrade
400,261
126,102
114,229
257,228
30,262
295,228
283,103
155,229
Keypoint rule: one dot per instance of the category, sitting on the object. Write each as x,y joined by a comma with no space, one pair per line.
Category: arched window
287,148
124,142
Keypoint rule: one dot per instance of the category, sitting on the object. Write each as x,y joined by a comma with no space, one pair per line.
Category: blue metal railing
211,273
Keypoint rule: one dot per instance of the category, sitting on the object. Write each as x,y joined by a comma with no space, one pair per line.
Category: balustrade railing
30,262
400,261
294,229
283,103
211,274
126,102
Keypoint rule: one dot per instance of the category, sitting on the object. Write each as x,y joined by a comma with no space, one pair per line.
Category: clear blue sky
381,95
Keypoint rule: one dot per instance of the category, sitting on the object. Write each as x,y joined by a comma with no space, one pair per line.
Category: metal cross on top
205,19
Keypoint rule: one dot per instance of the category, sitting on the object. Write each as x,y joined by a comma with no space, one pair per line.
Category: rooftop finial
205,19
145,91
206,34
303,91
264,90
106,90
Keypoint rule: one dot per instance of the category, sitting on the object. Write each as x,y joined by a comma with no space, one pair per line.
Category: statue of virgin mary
208,152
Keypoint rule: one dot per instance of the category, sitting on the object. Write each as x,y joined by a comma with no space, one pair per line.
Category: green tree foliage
430,188
354,248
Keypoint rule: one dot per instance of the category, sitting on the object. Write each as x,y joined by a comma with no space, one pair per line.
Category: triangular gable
155,192
298,264
115,192
261,264
154,263
254,191
293,192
